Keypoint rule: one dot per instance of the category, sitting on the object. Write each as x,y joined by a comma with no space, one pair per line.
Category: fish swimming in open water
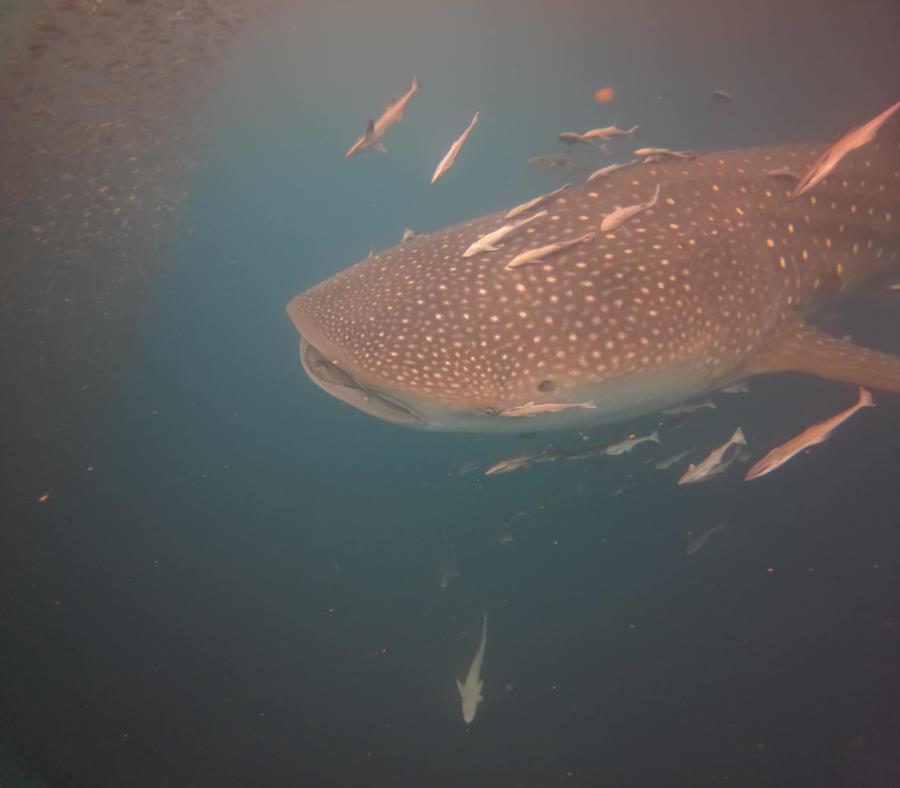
716,462
470,689
610,132
524,460
818,433
667,463
555,161
570,137
709,286
628,445
695,543
375,130
450,156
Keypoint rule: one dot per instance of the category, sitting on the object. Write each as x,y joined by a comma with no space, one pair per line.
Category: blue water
244,593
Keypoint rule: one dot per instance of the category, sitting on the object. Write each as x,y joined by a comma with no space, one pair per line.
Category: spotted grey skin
707,286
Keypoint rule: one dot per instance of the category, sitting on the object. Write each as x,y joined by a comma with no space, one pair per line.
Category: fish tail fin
635,131
865,398
416,85
739,437
654,436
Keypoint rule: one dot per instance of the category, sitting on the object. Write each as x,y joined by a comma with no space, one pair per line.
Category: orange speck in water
44,498
771,569
603,95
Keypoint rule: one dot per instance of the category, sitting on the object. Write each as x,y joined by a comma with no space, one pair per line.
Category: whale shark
710,284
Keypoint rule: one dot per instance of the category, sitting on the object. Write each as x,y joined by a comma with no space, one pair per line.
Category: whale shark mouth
337,382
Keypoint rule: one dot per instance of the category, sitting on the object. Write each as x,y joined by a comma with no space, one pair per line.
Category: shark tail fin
800,348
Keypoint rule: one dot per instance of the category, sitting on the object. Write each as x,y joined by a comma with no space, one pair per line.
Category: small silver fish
714,464
604,172
524,460
538,201
375,130
689,407
695,543
530,409
537,255
447,162
674,459
570,137
487,242
609,132
628,444
612,221
663,153
850,141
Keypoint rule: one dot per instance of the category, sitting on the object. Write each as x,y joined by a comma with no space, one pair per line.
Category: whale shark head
421,336
685,296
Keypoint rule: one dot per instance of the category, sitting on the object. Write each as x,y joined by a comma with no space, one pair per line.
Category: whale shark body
708,285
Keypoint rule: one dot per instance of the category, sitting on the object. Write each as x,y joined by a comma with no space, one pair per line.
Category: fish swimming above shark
708,286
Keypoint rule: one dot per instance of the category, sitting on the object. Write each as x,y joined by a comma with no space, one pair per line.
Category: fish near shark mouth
334,380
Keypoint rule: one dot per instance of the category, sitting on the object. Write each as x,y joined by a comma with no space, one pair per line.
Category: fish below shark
709,285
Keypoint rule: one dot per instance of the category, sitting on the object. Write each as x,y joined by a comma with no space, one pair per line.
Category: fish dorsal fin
370,130
797,347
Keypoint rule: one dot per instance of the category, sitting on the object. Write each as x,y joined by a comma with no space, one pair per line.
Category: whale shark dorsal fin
797,347
461,688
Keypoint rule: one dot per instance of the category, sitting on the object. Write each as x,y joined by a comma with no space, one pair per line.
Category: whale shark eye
489,411
546,385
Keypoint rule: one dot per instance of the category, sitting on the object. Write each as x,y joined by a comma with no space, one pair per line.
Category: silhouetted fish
708,286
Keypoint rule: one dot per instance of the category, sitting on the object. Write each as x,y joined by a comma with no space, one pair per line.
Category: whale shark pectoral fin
799,348
461,688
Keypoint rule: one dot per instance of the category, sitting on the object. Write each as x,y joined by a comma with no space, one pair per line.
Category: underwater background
214,574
